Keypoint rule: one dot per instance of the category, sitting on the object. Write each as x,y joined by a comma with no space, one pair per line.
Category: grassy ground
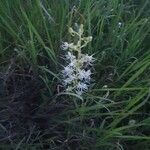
113,114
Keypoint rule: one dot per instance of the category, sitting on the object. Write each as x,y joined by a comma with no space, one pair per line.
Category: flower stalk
76,76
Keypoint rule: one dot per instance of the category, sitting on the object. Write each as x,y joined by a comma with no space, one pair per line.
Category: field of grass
36,113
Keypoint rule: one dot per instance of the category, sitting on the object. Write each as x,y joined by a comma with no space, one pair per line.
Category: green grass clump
35,113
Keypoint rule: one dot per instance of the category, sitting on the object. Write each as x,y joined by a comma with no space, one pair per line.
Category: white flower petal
70,56
85,75
82,86
67,71
88,59
65,45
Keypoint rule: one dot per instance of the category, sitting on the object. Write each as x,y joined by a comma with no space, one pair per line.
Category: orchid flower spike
76,74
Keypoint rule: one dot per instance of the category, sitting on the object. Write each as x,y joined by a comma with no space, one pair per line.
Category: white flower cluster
77,73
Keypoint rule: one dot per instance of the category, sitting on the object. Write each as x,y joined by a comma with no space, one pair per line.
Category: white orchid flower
76,77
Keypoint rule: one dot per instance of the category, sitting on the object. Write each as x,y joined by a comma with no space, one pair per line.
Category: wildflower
65,45
89,39
67,71
85,75
88,59
76,77
69,80
73,63
82,87
70,56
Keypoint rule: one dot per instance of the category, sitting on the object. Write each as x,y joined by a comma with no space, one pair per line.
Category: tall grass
113,115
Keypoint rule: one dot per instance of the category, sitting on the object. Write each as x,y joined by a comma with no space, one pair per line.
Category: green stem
79,50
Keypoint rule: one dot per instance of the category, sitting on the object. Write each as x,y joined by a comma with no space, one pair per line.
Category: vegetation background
35,114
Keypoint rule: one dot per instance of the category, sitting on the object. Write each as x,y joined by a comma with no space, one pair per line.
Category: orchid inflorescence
77,73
